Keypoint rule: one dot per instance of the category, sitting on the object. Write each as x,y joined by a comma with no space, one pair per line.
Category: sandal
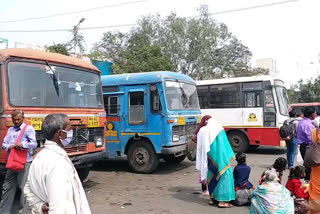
224,205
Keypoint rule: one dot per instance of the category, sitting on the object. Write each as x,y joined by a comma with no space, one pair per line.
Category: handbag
301,206
312,156
17,157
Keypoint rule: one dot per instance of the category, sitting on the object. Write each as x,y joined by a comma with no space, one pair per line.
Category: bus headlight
175,138
98,141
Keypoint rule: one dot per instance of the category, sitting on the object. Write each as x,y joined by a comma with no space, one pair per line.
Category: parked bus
300,106
250,108
41,83
149,116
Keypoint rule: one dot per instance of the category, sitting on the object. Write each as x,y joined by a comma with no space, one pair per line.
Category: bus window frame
108,108
144,108
41,61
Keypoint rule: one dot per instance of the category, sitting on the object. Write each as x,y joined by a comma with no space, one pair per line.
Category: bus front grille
80,148
80,136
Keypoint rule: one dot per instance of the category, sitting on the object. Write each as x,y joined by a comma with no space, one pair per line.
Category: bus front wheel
238,141
142,157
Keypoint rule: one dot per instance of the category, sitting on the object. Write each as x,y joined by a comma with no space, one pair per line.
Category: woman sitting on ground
242,184
279,166
271,196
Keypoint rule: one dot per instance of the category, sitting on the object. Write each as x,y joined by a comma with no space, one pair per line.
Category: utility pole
75,32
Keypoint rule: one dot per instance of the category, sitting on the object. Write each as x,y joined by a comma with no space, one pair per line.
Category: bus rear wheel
142,157
173,159
238,141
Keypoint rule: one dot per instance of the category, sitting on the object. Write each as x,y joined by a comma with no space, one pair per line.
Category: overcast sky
288,33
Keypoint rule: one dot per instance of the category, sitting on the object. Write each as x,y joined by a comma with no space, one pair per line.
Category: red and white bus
250,108
300,106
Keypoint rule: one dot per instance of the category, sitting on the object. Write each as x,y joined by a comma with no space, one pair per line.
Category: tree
145,59
199,47
305,92
77,41
58,48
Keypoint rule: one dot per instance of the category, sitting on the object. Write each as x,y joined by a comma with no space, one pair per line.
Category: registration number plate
36,122
93,122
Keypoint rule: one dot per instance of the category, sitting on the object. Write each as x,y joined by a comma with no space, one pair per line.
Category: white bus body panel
237,117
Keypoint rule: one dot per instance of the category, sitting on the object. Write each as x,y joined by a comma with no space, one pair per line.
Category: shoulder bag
17,157
312,156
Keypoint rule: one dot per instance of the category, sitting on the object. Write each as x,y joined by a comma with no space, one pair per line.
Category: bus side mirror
156,103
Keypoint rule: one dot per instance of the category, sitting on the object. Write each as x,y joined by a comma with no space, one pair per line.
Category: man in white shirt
53,185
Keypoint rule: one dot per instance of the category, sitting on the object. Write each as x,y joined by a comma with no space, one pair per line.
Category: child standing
241,175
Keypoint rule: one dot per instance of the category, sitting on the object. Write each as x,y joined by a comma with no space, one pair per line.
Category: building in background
35,47
267,63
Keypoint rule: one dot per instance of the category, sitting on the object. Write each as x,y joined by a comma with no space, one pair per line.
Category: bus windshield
283,100
45,85
181,95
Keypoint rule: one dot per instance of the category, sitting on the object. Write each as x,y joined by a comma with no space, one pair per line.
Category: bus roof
235,79
46,56
304,104
142,78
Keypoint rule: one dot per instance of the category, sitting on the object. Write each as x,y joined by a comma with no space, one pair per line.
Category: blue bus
149,116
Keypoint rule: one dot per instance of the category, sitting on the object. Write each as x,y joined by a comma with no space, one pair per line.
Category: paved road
111,188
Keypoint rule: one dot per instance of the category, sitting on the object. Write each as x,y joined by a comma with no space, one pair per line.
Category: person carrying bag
312,156
17,157
18,141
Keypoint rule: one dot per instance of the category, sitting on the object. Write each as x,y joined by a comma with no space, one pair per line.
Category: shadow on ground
192,195
122,166
268,150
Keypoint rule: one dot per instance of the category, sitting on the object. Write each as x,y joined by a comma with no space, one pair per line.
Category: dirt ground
111,188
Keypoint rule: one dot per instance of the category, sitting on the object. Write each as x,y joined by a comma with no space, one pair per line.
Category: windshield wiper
54,79
184,96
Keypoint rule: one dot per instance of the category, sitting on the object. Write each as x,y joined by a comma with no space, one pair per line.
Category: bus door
113,107
134,119
253,111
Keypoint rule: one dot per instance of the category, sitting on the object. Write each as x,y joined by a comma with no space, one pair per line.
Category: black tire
253,147
174,160
142,157
83,173
238,141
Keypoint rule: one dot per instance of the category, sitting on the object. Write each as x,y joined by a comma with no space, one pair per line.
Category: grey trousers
12,181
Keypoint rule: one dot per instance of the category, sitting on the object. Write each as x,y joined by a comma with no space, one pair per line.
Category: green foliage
199,47
305,92
77,43
58,48
143,59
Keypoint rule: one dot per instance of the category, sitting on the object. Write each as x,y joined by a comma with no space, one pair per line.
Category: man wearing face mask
53,185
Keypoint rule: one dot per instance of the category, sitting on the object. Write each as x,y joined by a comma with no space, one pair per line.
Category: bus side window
111,105
155,99
136,108
252,99
269,102
203,92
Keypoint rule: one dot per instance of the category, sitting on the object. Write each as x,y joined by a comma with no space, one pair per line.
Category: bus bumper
87,160
174,150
